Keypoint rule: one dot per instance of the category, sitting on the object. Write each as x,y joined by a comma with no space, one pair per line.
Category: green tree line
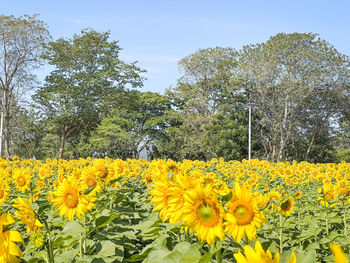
92,103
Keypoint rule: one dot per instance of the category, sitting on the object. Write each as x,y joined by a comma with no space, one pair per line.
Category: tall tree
22,42
206,96
88,74
132,127
293,78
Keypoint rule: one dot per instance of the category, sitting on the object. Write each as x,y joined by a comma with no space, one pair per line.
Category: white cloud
79,21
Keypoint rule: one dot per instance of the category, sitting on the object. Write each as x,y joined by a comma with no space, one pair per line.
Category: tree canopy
297,85
88,73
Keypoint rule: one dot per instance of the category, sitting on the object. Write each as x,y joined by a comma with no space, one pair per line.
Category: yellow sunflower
159,197
70,201
89,179
286,207
259,255
9,251
338,253
243,216
203,214
100,169
175,202
21,179
26,214
275,195
298,195
4,191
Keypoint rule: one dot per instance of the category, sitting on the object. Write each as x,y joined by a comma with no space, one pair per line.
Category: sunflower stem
81,245
84,244
281,235
218,256
50,250
344,218
178,233
327,230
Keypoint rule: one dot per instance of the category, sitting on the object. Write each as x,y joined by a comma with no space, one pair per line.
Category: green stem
281,235
85,236
345,226
50,249
178,233
83,239
219,256
81,245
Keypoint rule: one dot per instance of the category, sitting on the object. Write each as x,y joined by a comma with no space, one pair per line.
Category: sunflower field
107,210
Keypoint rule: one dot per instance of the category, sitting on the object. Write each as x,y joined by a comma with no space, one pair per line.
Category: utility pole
2,125
249,129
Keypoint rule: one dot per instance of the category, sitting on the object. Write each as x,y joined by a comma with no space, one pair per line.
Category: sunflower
298,195
26,214
275,195
159,197
203,214
38,239
9,251
243,215
286,207
4,191
22,178
89,179
338,253
100,169
70,201
259,255
175,202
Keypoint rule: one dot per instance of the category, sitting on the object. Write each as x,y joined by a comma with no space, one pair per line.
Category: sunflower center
102,173
21,181
285,205
71,199
208,214
243,212
90,182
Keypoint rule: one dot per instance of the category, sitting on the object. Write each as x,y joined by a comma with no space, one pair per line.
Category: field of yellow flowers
107,210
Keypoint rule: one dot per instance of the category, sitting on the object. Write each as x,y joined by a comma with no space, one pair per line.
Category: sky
158,33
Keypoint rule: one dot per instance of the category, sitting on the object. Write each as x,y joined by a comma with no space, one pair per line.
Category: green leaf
73,228
308,257
164,256
110,249
88,191
104,220
227,198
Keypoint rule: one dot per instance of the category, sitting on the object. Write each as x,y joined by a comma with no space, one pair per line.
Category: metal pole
249,130
1,131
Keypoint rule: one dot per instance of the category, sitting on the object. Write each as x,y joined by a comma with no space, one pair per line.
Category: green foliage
298,83
88,74
132,126
22,41
209,119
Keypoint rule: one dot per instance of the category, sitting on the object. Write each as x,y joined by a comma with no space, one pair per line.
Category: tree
88,75
132,127
294,78
207,98
22,42
27,133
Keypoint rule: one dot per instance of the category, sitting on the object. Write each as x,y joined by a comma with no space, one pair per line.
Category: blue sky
159,33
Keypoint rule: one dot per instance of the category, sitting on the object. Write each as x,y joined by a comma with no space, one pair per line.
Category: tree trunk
1,131
7,117
283,131
65,132
310,145
62,142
